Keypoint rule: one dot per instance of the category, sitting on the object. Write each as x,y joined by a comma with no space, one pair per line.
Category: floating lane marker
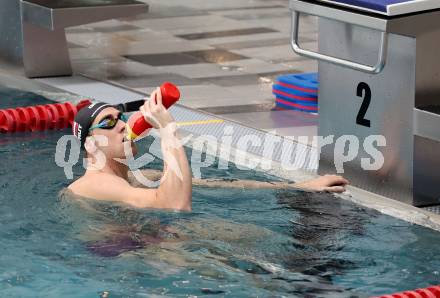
200,122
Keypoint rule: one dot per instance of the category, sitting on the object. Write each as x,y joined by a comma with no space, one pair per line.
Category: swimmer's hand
327,183
154,111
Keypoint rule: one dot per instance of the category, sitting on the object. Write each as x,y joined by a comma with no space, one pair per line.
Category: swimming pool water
235,242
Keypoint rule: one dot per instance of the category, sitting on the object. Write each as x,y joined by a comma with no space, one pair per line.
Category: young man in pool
106,178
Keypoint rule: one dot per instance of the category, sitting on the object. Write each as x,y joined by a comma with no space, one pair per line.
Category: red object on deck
431,292
39,118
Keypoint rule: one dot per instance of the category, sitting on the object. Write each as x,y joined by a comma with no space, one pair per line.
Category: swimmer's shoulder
80,188
83,183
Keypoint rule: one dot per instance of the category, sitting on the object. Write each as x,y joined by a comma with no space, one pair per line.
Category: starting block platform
378,79
388,7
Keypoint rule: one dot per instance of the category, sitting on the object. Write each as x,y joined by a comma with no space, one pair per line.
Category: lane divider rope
430,292
40,117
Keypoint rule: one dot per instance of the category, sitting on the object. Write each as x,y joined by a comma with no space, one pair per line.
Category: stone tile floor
224,55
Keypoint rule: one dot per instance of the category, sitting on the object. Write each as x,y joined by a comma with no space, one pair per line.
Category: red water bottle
136,124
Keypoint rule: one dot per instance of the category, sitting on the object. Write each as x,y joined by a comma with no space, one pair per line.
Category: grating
298,155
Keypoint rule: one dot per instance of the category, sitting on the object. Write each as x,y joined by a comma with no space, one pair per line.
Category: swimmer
110,181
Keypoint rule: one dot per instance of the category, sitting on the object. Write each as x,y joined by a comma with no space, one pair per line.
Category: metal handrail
377,68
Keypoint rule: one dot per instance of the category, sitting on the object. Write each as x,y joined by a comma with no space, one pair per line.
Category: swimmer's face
115,135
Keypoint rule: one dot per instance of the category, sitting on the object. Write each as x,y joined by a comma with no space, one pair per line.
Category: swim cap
84,119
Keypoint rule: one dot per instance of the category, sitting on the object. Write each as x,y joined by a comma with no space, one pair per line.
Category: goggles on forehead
109,122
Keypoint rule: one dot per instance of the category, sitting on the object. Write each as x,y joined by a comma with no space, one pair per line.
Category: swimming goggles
109,122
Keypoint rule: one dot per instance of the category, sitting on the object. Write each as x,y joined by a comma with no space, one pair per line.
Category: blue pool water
235,243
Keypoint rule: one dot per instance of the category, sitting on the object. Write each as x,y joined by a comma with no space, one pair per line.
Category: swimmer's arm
176,183
155,175
175,187
329,183
109,187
